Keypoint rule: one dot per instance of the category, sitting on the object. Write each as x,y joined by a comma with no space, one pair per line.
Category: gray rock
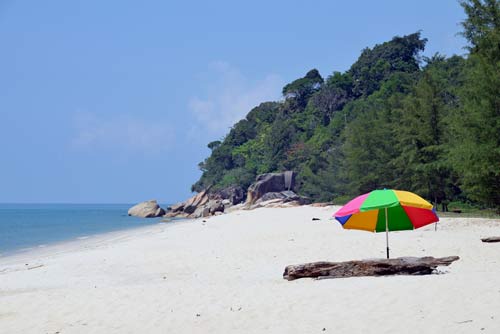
232,208
193,207
197,213
270,183
286,196
177,207
206,212
178,214
215,206
195,202
233,194
148,209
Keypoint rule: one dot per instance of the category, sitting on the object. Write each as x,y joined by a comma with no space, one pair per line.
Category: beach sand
224,275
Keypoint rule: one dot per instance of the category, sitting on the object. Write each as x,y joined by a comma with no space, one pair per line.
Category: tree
301,89
422,165
482,27
369,146
376,65
476,152
214,144
388,121
332,97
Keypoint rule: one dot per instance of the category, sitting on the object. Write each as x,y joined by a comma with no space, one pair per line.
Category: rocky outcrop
196,201
176,207
274,190
201,211
231,195
215,206
148,209
278,202
286,195
270,183
269,190
200,205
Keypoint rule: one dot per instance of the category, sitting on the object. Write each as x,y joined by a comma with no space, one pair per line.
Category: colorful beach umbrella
386,210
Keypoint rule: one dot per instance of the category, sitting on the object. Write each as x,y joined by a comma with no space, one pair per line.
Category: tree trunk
377,267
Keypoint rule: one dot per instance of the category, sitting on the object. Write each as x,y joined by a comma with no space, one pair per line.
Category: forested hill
395,119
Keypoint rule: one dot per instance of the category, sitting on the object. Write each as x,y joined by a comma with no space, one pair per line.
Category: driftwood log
491,239
376,267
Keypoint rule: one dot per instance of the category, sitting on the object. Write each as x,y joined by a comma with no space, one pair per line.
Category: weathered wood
376,267
491,239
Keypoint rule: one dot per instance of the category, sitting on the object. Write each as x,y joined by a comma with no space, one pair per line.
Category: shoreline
88,241
30,227
225,275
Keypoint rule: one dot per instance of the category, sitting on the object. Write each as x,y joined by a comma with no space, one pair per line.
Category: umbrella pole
387,232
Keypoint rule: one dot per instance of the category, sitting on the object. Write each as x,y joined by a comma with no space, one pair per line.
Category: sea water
29,226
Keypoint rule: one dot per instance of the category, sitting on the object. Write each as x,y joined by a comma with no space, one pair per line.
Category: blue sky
115,101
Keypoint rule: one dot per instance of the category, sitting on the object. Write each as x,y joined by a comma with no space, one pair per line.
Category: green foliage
301,89
476,149
214,144
237,176
265,113
369,146
390,121
422,139
482,27
468,209
377,64
243,147
254,155
331,98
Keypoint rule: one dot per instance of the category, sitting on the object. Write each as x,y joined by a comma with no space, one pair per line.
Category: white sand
225,276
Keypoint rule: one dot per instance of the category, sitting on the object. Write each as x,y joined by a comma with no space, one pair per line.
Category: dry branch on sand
491,239
376,267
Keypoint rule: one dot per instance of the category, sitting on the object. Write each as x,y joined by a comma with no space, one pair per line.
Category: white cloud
121,133
229,98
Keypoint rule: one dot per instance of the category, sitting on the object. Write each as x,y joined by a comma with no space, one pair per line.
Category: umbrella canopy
386,210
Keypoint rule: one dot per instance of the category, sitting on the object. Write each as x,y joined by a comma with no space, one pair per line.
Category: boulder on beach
270,183
196,201
215,206
231,195
148,209
176,207
205,209
194,207
284,195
